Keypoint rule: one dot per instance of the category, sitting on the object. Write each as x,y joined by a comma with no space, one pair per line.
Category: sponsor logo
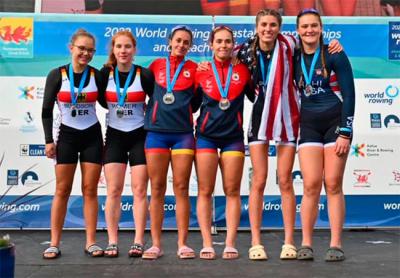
375,119
370,150
391,121
32,150
5,121
271,150
358,150
30,178
12,177
386,96
29,123
297,177
362,178
26,92
396,177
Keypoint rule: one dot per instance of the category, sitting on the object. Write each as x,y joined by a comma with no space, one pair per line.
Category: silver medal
120,112
309,90
169,98
73,111
224,104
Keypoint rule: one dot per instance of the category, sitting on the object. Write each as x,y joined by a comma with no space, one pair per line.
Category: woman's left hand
334,47
342,146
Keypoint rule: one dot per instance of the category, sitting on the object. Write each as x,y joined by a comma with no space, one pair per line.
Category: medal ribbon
171,84
121,97
265,77
74,97
223,91
308,76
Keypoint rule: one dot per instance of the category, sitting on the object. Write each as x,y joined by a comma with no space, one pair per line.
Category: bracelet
345,137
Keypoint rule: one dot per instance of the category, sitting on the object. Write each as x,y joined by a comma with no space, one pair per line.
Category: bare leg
182,168
90,179
206,167
286,154
157,166
311,163
259,161
334,170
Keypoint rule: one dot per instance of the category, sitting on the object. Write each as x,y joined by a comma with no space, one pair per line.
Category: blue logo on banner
375,120
12,177
392,121
29,177
32,150
394,40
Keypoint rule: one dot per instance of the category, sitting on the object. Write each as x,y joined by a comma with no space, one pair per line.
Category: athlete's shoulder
157,64
190,64
242,69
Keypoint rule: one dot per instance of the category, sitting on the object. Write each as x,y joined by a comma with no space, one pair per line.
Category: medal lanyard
223,91
308,76
265,77
121,97
171,84
74,97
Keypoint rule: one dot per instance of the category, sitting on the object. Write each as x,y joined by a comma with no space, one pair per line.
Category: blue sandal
52,250
92,249
334,254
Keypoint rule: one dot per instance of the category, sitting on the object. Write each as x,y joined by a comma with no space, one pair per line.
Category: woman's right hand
203,66
50,150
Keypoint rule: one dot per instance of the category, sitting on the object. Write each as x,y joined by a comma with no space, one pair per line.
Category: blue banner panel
361,211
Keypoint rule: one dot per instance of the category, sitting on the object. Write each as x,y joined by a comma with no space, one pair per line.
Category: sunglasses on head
222,27
308,11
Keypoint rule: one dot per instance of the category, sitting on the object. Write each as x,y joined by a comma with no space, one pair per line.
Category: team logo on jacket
186,73
235,76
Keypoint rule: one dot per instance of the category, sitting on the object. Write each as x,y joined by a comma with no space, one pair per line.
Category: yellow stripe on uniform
182,151
233,153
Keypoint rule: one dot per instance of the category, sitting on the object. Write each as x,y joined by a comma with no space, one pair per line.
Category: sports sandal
289,252
305,253
230,253
52,250
257,252
208,253
152,253
334,254
136,250
185,252
111,251
94,251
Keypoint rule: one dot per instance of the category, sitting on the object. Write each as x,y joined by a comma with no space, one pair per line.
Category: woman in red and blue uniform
169,123
326,126
222,88
74,87
127,87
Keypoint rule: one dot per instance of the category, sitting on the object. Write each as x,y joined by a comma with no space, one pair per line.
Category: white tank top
133,107
85,115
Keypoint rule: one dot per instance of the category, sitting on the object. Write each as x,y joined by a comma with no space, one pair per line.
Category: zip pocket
154,114
240,120
203,125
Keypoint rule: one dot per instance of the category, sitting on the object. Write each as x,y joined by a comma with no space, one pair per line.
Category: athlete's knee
114,192
333,186
258,182
231,191
205,192
63,192
285,182
312,190
181,188
139,190
89,191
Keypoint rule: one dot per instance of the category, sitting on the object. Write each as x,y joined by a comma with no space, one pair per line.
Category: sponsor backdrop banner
32,45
